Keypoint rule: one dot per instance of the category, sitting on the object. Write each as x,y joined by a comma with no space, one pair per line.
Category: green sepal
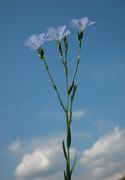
65,43
80,35
73,166
64,150
60,48
40,52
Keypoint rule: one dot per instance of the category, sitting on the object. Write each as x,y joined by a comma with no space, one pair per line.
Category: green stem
74,75
77,62
53,83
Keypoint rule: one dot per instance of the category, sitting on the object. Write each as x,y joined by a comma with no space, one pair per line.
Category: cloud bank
46,159
42,158
106,159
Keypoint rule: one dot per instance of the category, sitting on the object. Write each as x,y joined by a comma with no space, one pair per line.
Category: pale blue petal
75,23
91,23
61,30
65,33
51,34
81,24
34,42
84,22
56,34
31,42
41,38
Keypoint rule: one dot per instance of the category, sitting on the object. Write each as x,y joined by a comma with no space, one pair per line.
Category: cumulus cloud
106,158
42,158
45,159
40,163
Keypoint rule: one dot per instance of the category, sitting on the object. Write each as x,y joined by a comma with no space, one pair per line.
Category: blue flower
81,24
57,34
35,41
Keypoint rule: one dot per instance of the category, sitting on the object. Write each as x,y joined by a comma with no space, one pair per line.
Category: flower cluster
36,41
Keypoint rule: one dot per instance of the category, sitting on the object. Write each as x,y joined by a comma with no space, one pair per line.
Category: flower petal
57,34
75,23
51,34
62,32
91,23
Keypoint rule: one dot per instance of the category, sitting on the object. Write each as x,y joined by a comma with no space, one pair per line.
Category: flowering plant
59,34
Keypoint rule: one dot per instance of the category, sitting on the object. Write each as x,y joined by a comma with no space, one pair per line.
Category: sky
32,123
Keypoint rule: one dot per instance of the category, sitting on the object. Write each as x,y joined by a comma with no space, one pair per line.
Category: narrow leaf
64,150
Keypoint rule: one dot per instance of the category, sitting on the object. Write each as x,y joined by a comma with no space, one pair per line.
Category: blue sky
30,116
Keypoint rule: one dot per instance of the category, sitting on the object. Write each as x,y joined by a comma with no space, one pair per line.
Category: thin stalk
53,84
77,62
67,114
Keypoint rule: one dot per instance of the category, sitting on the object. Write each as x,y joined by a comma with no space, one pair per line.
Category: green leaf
69,137
73,166
64,150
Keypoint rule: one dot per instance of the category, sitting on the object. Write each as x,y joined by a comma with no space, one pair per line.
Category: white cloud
78,114
106,158
45,159
40,162
42,159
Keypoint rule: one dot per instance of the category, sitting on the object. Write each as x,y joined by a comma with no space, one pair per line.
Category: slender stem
64,62
53,84
74,75
77,62
67,115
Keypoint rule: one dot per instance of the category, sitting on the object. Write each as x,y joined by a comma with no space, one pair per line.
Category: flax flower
57,33
35,41
81,24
